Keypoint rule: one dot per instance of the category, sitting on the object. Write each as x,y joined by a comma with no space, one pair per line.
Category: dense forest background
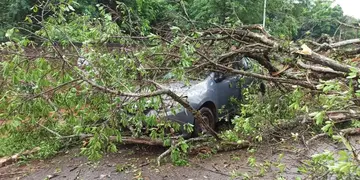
290,19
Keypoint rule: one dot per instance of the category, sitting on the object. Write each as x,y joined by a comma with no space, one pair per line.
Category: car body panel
216,89
208,91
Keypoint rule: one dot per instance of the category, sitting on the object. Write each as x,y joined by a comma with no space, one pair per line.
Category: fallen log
320,69
348,131
352,52
326,46
339,116
261,38
351,131
5,161
316,58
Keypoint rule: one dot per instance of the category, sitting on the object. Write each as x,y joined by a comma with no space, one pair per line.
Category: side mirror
218,77
246,64
243,64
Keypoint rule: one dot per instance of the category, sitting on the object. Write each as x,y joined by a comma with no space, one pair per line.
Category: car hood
194,91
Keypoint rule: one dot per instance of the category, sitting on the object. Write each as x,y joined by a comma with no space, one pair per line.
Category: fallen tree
109,94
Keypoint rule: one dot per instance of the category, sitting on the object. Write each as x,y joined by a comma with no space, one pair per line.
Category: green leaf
175,29
35,9
108,17
346,143
167,142
112,148
15,123
28,19
9,32
71,8
319,117
327,128
184,147
352,75
352,69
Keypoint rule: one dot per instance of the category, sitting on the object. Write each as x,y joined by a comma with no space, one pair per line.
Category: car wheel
262,88
208,117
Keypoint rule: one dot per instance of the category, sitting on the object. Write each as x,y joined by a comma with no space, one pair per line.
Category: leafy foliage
285,18
46,95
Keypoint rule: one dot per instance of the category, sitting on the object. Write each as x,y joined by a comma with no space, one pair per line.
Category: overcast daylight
179,89
350,7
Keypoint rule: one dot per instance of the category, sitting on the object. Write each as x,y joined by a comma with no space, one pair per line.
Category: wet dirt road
138,162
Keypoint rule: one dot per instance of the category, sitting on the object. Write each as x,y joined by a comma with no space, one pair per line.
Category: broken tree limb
256,27
14,158
336,117
320,69
243,33
167,152
222,146
344,43
196,113
208,147
316,58
315,137
351,131
326,46
262,61
123,140
259,76
348,131
162,91
175,97
147,141
348,25
352,52
55,88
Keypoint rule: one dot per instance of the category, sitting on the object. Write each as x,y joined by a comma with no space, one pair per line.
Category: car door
227,87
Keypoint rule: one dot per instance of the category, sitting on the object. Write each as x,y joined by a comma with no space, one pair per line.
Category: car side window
240,63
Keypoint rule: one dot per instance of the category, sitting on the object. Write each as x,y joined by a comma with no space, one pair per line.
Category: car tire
262,88
209,118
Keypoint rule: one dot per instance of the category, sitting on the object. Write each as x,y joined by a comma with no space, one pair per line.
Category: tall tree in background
290,19
13,12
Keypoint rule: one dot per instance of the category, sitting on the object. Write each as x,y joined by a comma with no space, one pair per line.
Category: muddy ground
136,162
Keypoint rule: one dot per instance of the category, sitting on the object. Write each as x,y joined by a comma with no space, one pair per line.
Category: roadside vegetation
50,103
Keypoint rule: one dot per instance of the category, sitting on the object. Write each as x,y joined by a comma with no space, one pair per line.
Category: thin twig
167,152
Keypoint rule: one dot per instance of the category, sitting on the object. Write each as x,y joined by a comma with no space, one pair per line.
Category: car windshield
240,63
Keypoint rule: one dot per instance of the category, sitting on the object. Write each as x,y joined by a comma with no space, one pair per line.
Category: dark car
208,96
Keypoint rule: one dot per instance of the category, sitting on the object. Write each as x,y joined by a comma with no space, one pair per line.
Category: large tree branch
345,43
259,76
348,25
256,27
316,58
352,52
326,46
243,33
320,69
